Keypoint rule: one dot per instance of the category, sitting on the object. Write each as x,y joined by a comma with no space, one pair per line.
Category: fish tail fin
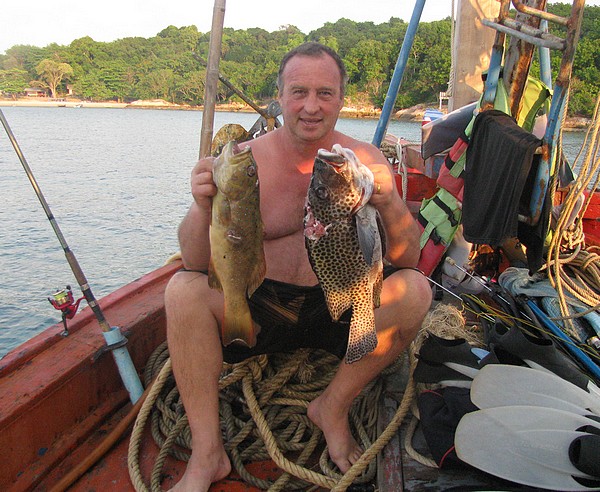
237,322
362,339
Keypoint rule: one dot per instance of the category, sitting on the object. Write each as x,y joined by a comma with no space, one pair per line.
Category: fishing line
113,336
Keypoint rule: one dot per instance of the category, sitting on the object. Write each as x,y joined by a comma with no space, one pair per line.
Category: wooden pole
472,49
212,77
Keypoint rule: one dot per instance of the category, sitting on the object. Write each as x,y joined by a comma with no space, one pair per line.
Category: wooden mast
212,77
471,51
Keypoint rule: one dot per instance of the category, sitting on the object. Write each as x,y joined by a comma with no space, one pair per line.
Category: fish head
235,171
337,185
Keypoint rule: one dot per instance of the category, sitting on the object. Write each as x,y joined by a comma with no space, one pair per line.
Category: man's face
311,96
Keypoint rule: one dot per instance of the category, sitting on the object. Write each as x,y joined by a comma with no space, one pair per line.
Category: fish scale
339,190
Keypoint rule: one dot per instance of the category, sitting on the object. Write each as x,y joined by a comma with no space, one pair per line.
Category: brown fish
237,263
344,243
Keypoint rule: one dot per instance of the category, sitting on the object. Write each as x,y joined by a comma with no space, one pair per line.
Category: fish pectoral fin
213,279
369,239
362,339
338,302
377,288
258,275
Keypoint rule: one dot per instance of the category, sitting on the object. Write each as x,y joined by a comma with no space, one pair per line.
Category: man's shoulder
352,143
364,150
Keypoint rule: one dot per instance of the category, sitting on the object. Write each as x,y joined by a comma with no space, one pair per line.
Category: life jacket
438,215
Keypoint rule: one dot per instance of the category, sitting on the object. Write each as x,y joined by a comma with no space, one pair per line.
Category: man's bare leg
398,321
195,350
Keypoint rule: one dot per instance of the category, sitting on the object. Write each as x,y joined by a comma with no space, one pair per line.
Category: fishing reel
64,302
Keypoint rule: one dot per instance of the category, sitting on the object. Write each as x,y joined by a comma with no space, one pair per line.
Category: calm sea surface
117,183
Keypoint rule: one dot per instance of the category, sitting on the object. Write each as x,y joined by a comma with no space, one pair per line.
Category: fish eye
251,170
322,192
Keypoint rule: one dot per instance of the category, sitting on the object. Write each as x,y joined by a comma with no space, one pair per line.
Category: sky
39,22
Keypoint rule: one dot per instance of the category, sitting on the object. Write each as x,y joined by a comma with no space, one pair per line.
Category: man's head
312,50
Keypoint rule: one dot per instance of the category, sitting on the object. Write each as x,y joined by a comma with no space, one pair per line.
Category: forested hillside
168,65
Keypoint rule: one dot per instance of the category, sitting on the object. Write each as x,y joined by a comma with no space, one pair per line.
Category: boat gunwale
43,341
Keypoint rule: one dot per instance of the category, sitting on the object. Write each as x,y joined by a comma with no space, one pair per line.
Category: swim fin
433,373
453,353
536,352
535,446
505,385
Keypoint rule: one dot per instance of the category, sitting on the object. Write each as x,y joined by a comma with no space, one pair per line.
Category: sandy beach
415,113
347,112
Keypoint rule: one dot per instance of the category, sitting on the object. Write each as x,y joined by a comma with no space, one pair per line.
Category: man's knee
420,289
184,290
409,288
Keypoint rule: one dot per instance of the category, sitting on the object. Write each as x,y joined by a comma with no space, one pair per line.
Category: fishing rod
114,338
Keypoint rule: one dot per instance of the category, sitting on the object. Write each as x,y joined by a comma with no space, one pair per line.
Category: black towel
499,159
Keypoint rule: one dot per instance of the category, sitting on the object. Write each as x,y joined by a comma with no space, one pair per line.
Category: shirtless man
311,86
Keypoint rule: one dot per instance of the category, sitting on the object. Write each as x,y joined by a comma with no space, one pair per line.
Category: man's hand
203,186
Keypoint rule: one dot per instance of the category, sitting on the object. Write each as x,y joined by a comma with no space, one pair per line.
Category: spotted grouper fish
344,242
237,263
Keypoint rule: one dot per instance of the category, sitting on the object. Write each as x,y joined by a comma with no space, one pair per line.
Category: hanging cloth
499,159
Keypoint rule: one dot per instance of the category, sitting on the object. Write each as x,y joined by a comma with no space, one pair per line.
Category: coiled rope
263,403
572,267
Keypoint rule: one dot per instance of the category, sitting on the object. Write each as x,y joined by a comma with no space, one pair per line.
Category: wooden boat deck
61,396
397,471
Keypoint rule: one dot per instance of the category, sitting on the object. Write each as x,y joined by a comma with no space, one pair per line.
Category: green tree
163,65
367,65
13,81
53,72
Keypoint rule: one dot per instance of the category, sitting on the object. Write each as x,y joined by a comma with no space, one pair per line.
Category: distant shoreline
347,112
415,113
156,104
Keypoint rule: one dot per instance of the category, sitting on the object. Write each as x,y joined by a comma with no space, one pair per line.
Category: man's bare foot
343,448
200,474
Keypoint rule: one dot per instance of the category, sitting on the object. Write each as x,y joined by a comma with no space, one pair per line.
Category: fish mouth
336,161
237,151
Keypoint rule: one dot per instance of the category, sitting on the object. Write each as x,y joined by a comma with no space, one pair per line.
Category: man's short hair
315,50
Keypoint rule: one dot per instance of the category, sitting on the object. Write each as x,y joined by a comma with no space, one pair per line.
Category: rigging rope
572,267
450,90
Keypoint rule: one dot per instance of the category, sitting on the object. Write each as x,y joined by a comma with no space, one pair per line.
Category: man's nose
312,103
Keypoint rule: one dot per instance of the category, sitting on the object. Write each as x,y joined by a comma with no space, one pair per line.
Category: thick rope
263,405
572,267
402,171
138,428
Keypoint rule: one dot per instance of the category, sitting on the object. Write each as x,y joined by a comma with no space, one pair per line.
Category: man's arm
194,240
